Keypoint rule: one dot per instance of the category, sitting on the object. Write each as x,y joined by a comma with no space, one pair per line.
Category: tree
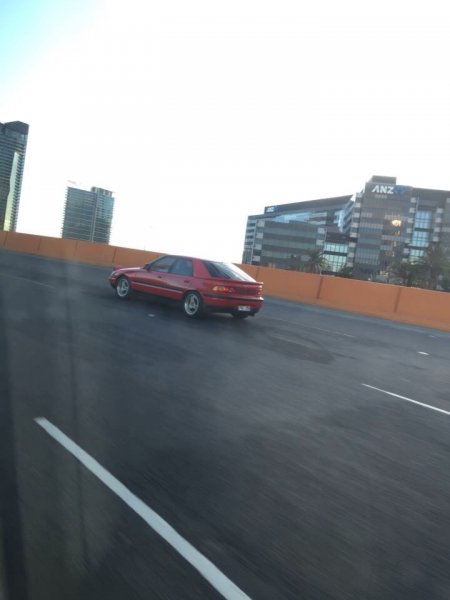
408,273
315,262
445,284
346,272
435,263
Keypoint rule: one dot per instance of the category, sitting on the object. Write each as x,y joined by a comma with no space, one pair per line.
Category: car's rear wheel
192,305
123,288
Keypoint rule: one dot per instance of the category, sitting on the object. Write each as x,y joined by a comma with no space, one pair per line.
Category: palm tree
315,262
435,263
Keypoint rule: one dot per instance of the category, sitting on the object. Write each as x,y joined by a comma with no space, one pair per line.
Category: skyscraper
88,214
13,145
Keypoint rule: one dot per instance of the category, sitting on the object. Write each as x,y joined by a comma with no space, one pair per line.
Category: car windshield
226,271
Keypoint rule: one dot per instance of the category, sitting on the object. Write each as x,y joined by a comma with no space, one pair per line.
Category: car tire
123,288
192,305
240,316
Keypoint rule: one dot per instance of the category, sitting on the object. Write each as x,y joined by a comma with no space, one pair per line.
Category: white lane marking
29,280
150,315
441,410
423,353
311,327
203,565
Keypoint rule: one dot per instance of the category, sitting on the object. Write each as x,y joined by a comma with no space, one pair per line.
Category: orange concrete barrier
424,307
251,270
22,242
290,285
57,248
97,254
377,299
126,257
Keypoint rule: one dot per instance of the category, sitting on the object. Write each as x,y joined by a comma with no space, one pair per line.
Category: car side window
182,266
163,264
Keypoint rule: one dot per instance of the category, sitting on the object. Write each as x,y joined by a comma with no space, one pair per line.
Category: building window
415,255
420,239
334,262
423,219
334,247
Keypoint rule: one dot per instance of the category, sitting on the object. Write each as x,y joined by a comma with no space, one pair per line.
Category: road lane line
441,410
423,353
29,280
203,565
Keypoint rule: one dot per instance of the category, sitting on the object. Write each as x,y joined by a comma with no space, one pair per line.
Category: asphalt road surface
258,442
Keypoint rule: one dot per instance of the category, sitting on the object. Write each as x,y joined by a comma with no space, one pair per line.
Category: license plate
244,308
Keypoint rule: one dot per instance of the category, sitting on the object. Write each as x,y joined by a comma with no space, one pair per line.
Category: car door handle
187,281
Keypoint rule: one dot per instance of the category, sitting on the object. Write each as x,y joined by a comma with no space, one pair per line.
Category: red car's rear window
226,271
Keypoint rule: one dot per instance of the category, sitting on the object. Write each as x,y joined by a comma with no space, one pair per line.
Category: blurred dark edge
13,573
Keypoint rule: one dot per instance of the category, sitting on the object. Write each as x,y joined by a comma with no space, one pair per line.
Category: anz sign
380,188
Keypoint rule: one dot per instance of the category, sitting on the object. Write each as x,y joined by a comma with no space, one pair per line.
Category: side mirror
148,266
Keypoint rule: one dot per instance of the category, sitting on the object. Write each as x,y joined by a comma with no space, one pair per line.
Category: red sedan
199,285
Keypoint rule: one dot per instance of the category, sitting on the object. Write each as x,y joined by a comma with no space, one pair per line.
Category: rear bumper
217,303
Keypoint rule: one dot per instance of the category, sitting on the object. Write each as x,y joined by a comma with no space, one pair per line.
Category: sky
197,114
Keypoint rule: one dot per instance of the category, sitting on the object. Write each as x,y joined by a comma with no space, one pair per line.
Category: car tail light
223,289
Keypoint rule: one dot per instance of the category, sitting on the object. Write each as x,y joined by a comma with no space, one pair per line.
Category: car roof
193,258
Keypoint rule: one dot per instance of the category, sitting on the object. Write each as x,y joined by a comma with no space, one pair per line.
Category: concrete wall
85,252
408,305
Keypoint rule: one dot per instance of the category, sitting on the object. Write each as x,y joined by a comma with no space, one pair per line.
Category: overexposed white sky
199,113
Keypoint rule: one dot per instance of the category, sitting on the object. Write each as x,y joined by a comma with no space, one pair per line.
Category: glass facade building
394,223
284,234
368,233
13,145
88,214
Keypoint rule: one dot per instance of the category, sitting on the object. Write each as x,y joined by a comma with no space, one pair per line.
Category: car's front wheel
192,305
123,288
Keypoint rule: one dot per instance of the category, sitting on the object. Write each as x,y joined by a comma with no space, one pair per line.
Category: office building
394,223
284,234
368,233
88,214
13,145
